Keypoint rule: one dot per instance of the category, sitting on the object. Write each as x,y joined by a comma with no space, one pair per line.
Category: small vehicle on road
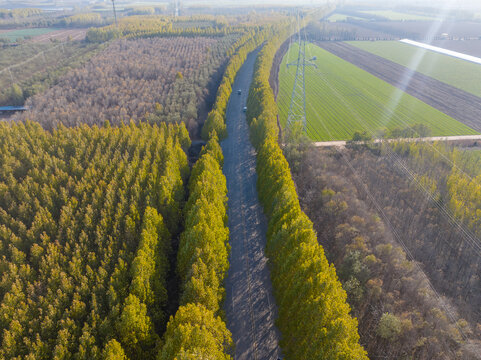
239,92
244,109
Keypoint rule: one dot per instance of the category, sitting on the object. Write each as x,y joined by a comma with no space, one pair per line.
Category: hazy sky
455,4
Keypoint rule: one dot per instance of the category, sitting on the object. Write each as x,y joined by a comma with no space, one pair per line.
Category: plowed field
452,101
341,99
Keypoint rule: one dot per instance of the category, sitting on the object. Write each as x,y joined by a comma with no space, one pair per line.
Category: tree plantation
171,79
87,218
43,64
153,208
399,312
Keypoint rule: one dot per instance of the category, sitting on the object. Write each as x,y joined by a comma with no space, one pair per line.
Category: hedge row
313,317
197,331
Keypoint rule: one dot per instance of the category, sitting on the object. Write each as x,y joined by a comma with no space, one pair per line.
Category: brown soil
434,29
454,102
470,47
414,30
362,30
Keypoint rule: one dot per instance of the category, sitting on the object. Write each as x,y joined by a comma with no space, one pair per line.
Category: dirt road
60,35
452,101
249,305
468,140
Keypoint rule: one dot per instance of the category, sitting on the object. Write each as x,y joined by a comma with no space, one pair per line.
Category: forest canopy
87,218
376,243
137,80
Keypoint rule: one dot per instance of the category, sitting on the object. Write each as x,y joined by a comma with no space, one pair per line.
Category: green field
342,99
396,16
342,17
459,73
13,35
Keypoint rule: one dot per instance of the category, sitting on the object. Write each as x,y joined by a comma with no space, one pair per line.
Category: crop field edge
344,129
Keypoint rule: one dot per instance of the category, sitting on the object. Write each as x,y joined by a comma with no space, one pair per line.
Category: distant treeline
82,20
161,26
19,13
324,31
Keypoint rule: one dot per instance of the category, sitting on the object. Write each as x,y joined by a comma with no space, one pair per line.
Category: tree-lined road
249,305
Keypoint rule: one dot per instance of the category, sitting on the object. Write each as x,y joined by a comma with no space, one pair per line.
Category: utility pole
115,13
297,108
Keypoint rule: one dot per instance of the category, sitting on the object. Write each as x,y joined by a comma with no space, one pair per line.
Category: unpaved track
459,104
60,35
462,139
249,305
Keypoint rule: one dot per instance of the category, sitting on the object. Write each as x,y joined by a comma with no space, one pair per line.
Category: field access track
452,101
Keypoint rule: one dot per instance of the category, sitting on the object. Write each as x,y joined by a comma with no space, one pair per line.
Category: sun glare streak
416,60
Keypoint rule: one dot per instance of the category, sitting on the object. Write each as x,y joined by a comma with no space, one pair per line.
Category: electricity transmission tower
176,8
297,108
115,13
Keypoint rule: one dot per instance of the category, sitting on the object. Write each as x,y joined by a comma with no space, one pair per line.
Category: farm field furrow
342,99
470,47
452,101
421,30
455,72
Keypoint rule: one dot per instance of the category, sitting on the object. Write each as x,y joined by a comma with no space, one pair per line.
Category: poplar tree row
19,13
157,26
197,331
249,42
82,20
86,219
314,317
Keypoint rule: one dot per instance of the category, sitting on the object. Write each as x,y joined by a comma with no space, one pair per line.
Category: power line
115,13
397,237
297,107
470,238
392,156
